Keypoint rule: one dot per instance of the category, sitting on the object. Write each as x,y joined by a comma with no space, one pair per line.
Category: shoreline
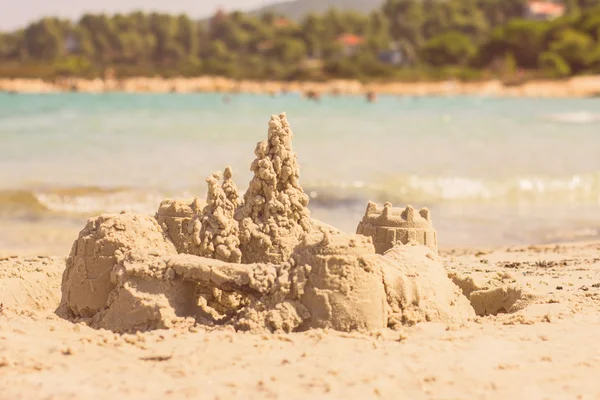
576,87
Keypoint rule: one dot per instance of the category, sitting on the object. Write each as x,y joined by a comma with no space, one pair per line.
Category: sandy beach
542,351
429,228
246,298
580,86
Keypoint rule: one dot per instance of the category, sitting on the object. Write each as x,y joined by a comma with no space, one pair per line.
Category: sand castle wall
177,219
106,242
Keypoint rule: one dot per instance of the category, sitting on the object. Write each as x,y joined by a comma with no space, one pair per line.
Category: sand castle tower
230,188
274,213
389,226
215,231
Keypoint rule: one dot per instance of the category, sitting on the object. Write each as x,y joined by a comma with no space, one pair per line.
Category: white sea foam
577,117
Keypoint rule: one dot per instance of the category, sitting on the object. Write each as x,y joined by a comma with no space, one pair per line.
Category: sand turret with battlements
389,226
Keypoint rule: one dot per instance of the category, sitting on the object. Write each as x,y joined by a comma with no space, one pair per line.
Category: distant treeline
406,39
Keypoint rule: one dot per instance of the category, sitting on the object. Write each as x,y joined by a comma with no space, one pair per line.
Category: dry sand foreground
546,350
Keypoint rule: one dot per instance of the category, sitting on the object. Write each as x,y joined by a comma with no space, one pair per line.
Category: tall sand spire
275,206
230,188
217,235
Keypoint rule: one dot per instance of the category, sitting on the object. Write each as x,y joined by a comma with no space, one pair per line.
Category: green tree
168,50
312,32
524,39
510,64
452,48
438,19
342,68
85,45
406,18
589,23
588,4
288,51
500,12
187,35
488,34
102,33
11,45
334,24
45,39
554,64
218,49
228,31
378,37
575,48
72,65
468,18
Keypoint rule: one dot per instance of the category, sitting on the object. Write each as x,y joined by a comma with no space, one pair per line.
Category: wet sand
541,347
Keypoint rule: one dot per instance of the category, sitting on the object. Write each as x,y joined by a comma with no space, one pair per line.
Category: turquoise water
493,171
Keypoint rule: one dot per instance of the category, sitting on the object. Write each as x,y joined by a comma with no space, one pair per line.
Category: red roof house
350,43
544,10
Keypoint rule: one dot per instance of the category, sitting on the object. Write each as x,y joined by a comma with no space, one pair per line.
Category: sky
18,13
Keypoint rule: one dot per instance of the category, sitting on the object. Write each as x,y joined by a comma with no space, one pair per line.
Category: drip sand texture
258,263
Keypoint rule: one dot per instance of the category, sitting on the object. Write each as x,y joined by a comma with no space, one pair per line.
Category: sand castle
258,262
389,226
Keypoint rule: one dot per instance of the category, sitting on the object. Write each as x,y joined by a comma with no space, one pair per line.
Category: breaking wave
577,189
411,189
76,201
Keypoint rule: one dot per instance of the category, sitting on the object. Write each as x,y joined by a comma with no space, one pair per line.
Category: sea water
492,171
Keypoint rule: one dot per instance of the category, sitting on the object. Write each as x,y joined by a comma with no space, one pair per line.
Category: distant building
350,43
393,56
544,10
281,22
71,44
